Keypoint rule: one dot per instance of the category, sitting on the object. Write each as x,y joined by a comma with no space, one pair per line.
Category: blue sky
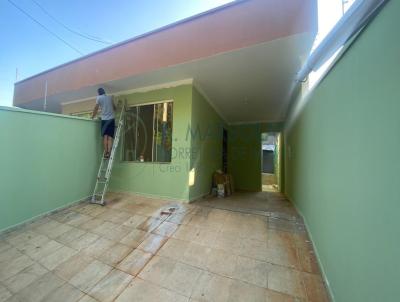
31,49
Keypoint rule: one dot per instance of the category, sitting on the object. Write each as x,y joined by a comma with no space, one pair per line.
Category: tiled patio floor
250,247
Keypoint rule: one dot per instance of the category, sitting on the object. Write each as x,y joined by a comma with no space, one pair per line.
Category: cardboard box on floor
226,180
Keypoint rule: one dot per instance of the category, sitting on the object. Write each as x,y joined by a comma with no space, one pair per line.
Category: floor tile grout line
192,212
218,274
281,265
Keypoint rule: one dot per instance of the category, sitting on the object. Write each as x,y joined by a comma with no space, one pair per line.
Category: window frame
130,107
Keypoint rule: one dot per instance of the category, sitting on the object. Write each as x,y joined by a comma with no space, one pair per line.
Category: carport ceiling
247,85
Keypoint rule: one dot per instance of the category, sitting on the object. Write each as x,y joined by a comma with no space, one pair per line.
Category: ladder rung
104,173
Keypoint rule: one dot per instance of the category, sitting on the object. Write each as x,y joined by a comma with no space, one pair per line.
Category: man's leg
105,143
110,142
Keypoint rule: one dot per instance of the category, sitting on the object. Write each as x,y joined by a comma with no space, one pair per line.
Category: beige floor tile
186,232
241,291
4,293
280,238
119,232
166,229
315,288
87,298
14,266
91,224
135,220
59,256
286,281
195,255
19,237
221,262
95,210
75,219
180,219
228,242
25,277
218,214
71,235
90,275
115,216
42,251
140,290
253,249
66,293
105,229
308,261
111,286
211,287
134,262
214,223
134,238
152,243
202,211
285,256
7,255
205,253
182,279
53,229
4,246
198,221
83,241
40,288
111,231
73,266
34,245
149,224
63,216
115,254
99,247
252,271
273,296
79,220
195,234
36,222
158,270
206,237
174,249
232,227
91,210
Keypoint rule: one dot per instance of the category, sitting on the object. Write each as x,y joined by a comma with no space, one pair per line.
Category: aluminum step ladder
103,176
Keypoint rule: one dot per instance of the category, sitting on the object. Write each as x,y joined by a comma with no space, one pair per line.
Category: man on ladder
107,106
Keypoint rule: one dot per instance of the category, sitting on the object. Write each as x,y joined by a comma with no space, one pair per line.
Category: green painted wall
160,179
206,145
342,166
46,161
244,153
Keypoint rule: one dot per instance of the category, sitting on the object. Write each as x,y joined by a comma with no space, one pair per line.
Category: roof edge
141,36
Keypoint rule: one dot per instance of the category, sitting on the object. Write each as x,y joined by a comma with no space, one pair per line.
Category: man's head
101,91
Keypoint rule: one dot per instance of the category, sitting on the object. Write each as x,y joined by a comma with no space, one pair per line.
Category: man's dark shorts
108,127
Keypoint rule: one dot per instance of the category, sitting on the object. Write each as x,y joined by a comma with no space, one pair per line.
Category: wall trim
321,267
198,197
58,115
151,196
121,93
26,222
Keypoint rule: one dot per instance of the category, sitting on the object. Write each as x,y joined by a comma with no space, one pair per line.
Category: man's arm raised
95,110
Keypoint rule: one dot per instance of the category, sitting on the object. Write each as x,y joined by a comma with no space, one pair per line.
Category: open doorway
270,161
